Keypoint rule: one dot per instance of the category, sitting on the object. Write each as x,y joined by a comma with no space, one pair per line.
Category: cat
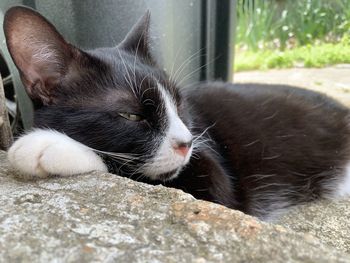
256,148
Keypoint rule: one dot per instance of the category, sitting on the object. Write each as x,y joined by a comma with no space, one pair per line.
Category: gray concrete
105,218
329,221
333,81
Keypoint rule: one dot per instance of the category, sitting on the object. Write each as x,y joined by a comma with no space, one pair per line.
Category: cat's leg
46,152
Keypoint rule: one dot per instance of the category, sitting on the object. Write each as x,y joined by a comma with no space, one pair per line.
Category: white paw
45,152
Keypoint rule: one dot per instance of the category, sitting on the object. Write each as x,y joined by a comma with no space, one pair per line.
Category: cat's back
269,108
234,97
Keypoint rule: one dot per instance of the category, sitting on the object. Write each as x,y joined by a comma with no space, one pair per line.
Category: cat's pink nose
182,148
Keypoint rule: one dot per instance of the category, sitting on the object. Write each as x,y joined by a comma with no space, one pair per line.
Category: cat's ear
137,40
40,53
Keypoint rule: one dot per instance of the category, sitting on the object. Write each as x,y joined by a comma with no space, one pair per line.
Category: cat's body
255,148
280,146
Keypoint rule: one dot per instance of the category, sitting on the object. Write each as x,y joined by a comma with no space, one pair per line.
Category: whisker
199,136
185,63
126,155
175,60
137,49
143,93
129,81
195,71
142,83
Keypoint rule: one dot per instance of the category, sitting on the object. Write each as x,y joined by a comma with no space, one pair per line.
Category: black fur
279,145
262,149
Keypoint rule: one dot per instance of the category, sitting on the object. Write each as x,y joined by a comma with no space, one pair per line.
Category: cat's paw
45,152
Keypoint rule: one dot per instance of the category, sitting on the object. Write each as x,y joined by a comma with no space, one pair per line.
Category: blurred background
292,33
302,43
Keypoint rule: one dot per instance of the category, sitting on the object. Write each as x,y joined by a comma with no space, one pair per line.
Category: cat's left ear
137,40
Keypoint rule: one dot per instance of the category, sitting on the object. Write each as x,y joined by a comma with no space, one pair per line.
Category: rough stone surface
104,218
329,221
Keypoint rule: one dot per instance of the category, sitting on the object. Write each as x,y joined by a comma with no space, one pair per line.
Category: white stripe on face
177,131
166,159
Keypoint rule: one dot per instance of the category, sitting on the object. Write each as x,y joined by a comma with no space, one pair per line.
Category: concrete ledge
329,221
104,218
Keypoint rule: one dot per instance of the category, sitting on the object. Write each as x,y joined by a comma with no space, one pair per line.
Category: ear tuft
137,40
40,53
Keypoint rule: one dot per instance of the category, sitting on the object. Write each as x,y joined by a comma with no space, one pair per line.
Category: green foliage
288,23
320,55
288,33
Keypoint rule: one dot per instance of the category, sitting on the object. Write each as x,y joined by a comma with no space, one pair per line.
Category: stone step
105,218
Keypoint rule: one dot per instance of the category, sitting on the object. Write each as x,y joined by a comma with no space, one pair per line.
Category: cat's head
114,100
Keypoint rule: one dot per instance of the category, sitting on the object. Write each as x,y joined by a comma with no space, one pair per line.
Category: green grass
316,55
289,33
284,24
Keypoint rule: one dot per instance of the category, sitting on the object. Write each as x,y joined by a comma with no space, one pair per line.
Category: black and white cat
249,147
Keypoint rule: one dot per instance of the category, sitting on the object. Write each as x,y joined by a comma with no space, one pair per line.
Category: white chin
167,170
166,175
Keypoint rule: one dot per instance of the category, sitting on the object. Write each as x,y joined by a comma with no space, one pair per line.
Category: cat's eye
130,116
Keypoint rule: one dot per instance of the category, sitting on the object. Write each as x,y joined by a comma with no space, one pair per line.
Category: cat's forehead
114,89
130,96
136,97
129,76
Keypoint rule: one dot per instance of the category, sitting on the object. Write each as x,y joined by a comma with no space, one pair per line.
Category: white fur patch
167,159
343,188
43,52
46,152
